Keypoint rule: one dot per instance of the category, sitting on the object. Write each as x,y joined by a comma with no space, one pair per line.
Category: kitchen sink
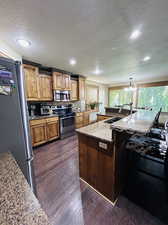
112,120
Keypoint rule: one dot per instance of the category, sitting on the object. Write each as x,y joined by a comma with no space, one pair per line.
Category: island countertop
140,122
98,130
18,204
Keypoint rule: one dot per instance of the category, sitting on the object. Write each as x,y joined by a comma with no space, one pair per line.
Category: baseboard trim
112,203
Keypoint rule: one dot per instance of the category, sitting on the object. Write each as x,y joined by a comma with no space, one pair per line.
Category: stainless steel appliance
45,110
14,128
61,95
67,119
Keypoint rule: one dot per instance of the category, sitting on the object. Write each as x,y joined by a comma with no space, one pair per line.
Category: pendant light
132,86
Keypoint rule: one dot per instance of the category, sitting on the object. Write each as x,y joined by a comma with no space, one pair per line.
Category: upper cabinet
45,87
82,88
57,81
38,87
67,82
61,81
32,82
74,90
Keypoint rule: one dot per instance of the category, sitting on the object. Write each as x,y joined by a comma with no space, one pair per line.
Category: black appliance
66,118
61,96
14,129
114,119
147,181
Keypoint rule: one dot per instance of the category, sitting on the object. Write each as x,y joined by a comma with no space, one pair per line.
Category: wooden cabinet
52,128
96,165
101,117
66,82
44,130
105,179
74,90
38,87
31,82
57,81
92,163
38,132
45,87
61,81
79,120
86,119
82,88
82,119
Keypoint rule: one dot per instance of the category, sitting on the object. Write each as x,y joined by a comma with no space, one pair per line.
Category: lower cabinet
38,132
52,129
86,119
44,130
96,165
101,117
82,119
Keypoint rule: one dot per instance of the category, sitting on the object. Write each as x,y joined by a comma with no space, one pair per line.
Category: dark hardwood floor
67,201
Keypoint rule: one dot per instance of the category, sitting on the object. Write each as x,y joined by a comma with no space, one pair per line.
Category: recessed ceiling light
135,34
146,58
97,71
24,43
72,62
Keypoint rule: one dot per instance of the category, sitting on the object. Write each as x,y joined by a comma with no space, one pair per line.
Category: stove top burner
147,146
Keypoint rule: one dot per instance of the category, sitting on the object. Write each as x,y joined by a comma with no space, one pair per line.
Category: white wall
7,50
103,93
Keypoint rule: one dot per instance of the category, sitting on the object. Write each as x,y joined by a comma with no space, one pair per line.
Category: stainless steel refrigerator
14,126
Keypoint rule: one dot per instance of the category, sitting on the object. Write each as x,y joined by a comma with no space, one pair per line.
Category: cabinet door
38,133
86,118
92,159
105,180
31,82
45,87
74,90
66,82
79,120
58,83
81,88
52,130
83,156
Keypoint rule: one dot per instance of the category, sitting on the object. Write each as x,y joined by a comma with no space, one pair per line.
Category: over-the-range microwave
61,95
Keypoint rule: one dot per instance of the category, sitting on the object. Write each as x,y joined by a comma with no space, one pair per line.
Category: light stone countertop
42,117
140,122
18,204
98,130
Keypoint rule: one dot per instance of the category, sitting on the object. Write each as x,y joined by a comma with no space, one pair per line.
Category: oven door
67,126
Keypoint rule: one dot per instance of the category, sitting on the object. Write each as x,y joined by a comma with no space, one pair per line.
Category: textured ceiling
95,32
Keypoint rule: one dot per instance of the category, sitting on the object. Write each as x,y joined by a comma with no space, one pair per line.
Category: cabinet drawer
37,122
79,119
48,120
79,114
79,125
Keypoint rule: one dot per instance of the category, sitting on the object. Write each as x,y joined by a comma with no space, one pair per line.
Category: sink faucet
130,105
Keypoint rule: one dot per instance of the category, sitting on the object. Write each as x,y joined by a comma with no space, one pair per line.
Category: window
92,94
155,97
119,97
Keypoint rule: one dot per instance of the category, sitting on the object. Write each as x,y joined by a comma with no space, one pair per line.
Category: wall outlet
103,145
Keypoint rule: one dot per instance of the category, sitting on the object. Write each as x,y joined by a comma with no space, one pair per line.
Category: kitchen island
102,154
